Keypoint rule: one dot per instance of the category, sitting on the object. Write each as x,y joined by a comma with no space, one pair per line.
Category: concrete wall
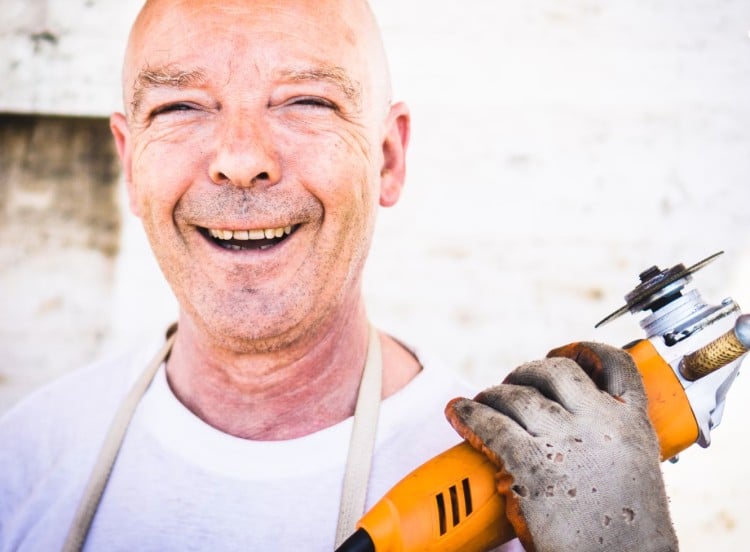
559,148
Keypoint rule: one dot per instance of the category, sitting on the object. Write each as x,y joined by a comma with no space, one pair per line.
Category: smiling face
257,144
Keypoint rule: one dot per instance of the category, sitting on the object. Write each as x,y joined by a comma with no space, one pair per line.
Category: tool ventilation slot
454,500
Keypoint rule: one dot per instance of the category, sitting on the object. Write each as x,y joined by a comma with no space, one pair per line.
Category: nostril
226,177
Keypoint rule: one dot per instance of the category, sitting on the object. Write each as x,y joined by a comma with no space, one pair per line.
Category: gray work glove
578,464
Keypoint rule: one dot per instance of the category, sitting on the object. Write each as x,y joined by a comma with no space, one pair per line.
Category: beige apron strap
362,443
92,495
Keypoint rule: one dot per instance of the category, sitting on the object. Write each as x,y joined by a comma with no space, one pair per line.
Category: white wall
62,56
558,149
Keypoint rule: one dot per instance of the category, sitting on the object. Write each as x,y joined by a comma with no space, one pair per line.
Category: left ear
395,141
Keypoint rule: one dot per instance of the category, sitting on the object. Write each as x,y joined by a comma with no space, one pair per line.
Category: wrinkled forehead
332,18
278,33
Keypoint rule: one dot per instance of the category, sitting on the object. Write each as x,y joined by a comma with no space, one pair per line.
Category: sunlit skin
247,115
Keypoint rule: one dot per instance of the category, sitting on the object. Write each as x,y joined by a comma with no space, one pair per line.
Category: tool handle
448,503
720,352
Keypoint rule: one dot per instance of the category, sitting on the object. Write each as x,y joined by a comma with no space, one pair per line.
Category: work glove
577,457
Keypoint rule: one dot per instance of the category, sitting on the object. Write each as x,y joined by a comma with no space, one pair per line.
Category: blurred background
558,149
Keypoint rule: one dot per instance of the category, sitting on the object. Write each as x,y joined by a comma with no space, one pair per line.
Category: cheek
350,201
162,172
337,168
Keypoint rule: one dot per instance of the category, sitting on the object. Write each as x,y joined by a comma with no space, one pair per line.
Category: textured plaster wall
558,149
62,56
59,241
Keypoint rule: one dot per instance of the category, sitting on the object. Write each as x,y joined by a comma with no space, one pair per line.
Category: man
257,142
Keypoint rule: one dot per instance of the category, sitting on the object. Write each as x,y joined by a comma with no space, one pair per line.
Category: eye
313,101
171,108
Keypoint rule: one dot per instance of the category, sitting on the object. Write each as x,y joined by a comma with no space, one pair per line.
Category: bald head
342,34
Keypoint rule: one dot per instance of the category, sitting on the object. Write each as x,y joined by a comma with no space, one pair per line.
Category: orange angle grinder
688,361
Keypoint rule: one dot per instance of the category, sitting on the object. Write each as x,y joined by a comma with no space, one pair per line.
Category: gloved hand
578,464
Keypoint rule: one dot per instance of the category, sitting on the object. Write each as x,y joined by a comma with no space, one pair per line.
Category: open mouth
241,240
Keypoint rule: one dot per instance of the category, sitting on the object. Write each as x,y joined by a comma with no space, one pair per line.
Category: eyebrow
336,76
169,76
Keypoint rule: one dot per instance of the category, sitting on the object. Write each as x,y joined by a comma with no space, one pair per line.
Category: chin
248,334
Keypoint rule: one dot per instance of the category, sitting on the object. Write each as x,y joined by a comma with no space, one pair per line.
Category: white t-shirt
178,483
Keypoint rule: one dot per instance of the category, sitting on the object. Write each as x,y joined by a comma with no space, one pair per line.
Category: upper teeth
258,234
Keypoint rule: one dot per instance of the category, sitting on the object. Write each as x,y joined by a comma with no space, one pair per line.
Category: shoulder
436,382
48,443
412,427
424,398
426,368
68,413
415,413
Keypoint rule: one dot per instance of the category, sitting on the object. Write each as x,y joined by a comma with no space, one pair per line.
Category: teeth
257,234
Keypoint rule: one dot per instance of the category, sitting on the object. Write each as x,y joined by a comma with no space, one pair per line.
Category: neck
284,394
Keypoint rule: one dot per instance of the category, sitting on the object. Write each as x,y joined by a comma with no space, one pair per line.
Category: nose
246,154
